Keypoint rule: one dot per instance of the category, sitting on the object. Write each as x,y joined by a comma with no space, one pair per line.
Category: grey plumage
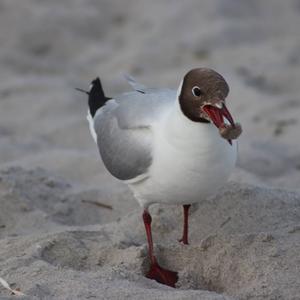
124,130
135,85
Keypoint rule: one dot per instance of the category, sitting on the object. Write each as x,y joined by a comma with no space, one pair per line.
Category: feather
135,85
7,286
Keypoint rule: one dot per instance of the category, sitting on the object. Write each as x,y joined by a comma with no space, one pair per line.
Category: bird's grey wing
143,109
124,132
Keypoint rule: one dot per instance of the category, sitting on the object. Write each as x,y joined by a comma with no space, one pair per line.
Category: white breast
190,162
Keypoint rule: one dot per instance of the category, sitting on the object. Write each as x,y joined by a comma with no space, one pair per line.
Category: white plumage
190,162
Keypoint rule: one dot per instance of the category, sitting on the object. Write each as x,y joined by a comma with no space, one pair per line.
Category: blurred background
56,239
50,47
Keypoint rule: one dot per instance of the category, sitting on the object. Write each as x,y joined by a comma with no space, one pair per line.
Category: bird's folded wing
124,131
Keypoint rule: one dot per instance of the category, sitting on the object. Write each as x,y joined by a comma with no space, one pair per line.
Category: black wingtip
96,82
96,90
97,97
95,86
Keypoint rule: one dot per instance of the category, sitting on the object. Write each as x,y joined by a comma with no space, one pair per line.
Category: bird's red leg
156,272
185,233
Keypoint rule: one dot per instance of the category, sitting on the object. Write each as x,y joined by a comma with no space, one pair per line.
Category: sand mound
244,243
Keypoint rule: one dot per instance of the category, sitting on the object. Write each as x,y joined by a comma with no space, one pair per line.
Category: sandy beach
69,230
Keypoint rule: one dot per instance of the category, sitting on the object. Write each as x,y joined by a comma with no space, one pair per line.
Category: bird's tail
96,95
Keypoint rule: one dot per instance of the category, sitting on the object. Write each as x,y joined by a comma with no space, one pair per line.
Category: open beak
217,112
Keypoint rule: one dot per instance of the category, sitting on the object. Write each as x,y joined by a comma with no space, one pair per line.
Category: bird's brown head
202,99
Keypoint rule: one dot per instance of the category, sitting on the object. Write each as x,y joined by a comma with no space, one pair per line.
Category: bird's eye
196,91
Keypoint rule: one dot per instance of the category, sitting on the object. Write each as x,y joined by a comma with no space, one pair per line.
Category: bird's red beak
217,114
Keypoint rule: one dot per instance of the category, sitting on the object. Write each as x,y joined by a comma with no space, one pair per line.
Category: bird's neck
181,131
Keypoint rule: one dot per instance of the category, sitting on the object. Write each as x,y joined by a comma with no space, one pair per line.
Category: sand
68,230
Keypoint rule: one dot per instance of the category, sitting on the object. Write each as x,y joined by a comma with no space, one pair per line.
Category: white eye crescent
196,91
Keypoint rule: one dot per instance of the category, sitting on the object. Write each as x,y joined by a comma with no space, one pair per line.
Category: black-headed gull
169,147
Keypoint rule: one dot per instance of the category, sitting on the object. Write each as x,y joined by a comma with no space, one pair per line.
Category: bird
169,146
